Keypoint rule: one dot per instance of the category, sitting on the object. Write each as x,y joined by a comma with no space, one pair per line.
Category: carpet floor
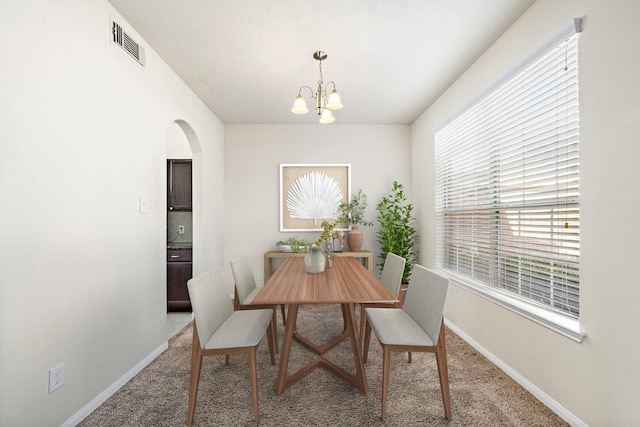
481,394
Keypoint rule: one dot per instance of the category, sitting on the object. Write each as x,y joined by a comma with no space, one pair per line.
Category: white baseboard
539,394
110,391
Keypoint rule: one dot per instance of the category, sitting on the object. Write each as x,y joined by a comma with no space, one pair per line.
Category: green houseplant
397,233
352,214
293,244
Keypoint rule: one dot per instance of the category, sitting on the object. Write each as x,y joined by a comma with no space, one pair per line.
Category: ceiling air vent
120,38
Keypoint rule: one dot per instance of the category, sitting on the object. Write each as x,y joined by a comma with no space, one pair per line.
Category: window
507,188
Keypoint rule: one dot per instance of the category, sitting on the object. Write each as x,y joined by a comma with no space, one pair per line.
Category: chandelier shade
325,101
327,117
299,106
334,102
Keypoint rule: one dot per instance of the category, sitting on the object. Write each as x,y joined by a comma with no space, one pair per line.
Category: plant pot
354,239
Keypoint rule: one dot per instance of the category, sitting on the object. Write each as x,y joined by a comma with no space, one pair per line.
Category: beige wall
83,136
378,154
594,382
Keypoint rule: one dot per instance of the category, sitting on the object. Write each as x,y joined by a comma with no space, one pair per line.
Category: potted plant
293,244
351,214
397,233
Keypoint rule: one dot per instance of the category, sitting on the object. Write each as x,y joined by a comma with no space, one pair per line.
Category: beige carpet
481,394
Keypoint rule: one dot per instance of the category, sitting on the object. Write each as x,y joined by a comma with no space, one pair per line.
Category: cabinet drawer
179,255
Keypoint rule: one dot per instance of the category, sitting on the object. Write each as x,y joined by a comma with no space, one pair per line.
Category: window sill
565,326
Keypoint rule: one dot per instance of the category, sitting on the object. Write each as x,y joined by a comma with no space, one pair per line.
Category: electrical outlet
56,377
181,229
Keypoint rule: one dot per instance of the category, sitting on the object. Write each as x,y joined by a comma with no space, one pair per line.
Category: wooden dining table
346,283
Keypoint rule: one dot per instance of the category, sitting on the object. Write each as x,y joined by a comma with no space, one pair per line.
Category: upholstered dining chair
219,330
391,279
416,327
246,289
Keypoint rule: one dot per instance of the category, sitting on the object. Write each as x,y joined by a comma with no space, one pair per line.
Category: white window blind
507,186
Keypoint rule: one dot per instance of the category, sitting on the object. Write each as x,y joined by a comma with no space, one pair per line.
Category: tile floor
176,321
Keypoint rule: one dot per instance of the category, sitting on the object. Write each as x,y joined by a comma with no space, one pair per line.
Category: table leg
360,375
358,380
289,329
345,316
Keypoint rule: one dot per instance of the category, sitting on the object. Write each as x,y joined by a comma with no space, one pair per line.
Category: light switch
143,205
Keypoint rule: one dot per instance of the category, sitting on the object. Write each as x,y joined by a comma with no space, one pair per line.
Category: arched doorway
184,225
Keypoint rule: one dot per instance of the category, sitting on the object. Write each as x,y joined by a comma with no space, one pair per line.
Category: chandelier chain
325,102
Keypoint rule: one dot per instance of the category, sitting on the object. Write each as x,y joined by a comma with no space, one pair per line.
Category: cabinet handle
174,256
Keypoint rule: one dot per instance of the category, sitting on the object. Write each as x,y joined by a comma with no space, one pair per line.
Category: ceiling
389,59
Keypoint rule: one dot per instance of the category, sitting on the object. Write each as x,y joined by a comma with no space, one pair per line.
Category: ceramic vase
354,239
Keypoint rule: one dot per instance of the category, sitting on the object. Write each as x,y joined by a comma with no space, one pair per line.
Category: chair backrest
243,276
425,299
210,302
392,273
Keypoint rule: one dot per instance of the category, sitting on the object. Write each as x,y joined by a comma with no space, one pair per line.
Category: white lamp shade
299,106
327,117
334,102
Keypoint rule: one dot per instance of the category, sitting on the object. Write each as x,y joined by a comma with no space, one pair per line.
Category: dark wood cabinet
179,267
179,271
179,185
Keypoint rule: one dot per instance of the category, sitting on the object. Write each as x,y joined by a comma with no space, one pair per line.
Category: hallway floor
176,321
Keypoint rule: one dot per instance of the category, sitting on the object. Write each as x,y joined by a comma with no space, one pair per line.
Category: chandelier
324,104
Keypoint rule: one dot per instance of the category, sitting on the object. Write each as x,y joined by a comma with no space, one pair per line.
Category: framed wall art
311,193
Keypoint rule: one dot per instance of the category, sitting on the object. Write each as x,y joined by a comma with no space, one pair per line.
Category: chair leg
254,383
408,357
365,344
196,364
236,301
363,321
274,327
284,315
443,372
271,344
386,356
